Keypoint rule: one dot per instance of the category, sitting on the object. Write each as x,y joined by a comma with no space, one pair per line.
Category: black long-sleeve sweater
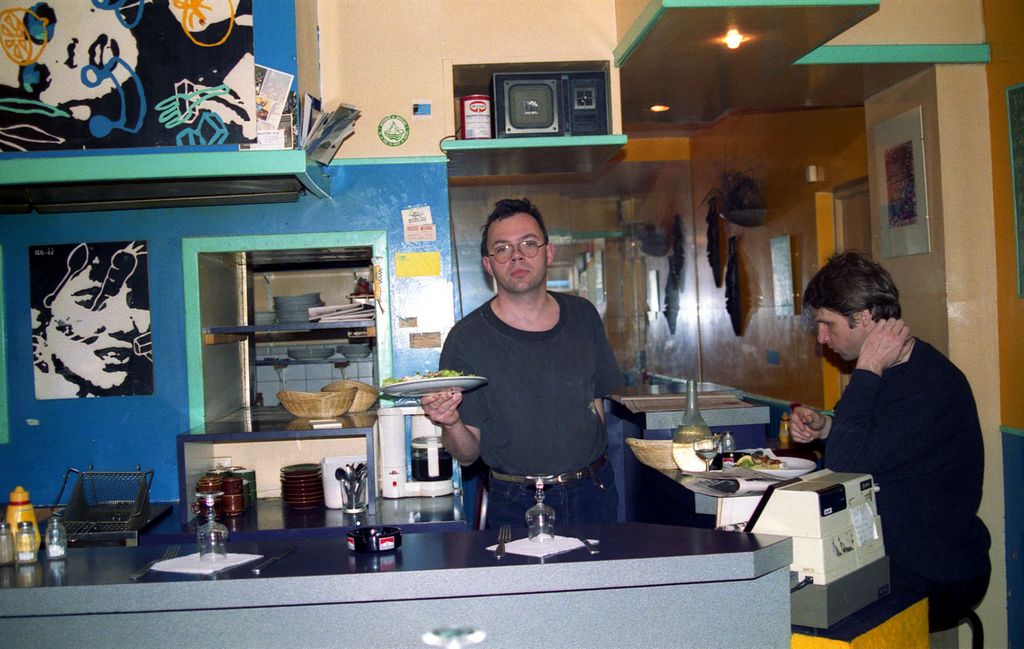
915,429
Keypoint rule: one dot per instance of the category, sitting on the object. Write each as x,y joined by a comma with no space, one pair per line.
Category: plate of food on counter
776,467
419,384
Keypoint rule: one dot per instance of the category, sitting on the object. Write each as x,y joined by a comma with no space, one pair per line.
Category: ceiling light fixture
733,38
659,108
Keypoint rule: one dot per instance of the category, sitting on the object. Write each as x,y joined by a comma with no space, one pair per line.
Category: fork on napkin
193,565
557,545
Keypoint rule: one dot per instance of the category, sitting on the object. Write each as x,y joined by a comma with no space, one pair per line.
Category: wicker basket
317,405
655,453
366,394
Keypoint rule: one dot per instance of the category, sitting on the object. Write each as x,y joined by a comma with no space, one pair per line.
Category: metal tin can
475,117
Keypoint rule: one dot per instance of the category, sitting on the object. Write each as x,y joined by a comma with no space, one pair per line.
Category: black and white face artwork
91,320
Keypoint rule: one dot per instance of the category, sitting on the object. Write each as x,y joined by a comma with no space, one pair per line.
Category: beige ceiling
679,61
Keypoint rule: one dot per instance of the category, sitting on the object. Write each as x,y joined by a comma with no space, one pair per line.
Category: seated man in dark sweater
909,419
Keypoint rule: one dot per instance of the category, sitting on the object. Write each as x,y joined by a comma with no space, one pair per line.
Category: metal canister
248,477
475,117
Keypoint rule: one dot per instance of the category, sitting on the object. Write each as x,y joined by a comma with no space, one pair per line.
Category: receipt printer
839,564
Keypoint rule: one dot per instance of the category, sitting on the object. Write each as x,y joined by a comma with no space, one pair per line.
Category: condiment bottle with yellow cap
20,509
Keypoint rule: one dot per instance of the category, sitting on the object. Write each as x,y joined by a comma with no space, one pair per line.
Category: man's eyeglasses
528,248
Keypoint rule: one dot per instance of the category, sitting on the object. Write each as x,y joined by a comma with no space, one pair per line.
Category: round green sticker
393,130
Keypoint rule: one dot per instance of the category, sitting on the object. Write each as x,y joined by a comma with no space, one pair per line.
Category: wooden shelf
530,155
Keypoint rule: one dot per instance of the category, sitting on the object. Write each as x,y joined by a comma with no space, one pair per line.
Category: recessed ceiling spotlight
733,38
659,108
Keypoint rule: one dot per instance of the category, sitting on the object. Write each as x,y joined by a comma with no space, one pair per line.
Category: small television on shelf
530,104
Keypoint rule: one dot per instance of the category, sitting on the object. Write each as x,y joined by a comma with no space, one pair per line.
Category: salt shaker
56,539
6,544
728,442
25,543
727,448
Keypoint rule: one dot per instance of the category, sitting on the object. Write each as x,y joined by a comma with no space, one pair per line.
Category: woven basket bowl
655,453
315,405
366,394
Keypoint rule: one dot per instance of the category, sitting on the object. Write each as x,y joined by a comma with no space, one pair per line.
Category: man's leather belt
561,478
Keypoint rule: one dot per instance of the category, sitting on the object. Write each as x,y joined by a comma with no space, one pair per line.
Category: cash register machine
839,563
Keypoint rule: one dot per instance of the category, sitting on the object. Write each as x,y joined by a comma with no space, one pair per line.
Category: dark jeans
948,602
577,502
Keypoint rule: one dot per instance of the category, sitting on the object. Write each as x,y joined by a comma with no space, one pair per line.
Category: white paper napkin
528,548
193,565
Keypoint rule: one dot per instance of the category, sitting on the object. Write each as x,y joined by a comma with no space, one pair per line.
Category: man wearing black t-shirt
548,365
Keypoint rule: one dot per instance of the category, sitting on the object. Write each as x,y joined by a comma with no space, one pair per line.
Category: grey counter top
322,590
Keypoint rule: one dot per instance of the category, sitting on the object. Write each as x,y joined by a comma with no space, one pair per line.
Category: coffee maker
413,460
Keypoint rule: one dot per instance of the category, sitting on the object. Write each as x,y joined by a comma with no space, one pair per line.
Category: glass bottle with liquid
785,441
689,430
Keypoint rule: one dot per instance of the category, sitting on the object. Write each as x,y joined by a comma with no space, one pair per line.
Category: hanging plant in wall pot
739,194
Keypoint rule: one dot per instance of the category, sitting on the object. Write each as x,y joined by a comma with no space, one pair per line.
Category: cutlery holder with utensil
354,481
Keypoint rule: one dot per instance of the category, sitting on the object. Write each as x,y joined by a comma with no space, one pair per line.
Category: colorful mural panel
102,74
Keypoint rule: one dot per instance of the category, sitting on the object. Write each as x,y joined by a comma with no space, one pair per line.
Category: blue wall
117,433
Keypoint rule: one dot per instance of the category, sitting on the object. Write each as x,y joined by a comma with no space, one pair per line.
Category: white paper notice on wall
419,215
425,232
418,224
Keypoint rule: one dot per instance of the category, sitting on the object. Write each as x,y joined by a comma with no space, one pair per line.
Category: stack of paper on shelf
341,312
328,131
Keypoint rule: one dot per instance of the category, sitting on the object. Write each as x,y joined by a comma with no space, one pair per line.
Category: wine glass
706,448
212,537
540,519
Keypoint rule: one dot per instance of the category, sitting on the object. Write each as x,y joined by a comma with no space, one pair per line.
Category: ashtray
374,539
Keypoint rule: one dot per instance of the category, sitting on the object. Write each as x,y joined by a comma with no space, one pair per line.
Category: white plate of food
792,467
419,384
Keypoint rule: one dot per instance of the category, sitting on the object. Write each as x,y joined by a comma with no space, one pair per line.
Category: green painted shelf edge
913,53
653,11
136,166
162,166
512,156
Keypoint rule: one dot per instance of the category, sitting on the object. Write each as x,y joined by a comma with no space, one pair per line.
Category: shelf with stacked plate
305,319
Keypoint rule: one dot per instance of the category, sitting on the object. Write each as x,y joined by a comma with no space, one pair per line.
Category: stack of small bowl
302,485
295,308
354,351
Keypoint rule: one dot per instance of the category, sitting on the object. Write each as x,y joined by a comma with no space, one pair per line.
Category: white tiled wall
307,377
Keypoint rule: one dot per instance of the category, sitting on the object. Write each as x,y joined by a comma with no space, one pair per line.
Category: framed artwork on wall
91,320
782,274
898,150
1015,121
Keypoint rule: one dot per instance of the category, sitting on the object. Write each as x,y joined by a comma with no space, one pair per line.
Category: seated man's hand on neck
888,342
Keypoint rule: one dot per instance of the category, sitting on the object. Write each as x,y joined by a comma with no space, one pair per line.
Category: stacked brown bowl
302,485
234,499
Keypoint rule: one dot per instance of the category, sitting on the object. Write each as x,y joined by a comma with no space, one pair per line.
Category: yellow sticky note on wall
418,264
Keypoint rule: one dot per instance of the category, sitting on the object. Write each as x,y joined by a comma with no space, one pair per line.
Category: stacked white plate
264,317
295,308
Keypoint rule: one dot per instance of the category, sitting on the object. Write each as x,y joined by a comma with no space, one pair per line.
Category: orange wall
778,147
1003,21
